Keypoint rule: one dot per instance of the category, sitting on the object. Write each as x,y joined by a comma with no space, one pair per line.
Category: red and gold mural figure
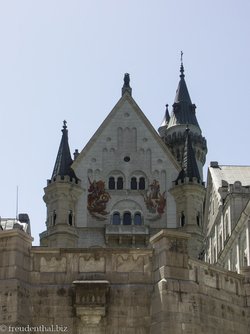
155,200
97,199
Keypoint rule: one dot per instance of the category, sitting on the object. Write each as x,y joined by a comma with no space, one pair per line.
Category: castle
135,242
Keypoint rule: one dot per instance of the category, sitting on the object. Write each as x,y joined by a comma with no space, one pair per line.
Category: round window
126,159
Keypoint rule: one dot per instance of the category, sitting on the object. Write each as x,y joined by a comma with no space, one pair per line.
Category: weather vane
181,56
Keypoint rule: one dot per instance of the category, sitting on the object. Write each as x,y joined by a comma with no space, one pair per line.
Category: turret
189,192
61,193
172,131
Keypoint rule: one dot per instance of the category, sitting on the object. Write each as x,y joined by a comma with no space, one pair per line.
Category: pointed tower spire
183,109
166,117
164,123
126,86
189,164
183,113
63,160
182,67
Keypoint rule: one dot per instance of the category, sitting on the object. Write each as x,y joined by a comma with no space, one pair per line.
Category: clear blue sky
66,59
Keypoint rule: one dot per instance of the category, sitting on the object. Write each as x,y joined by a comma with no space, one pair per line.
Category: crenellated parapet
63,178
176,141
188,180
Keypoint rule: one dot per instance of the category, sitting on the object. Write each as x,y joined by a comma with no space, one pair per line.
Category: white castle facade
134,242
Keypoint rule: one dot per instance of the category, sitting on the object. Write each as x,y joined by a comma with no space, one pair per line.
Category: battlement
179,138
214,277
63,178
188,180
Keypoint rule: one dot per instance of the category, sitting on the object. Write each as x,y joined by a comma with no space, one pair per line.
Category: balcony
126,234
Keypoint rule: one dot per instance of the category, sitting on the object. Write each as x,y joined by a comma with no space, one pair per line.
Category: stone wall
193,297
119,290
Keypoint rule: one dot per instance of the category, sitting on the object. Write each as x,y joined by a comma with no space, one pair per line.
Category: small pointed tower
172,130
189,192
61,194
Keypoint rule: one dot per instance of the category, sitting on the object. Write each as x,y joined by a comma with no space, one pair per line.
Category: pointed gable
128,160
126,116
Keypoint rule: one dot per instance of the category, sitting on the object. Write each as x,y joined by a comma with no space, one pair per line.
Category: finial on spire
126,79
64,129
126,87
167,117
182,67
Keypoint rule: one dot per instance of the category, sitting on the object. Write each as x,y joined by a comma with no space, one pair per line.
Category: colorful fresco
155,200
97,199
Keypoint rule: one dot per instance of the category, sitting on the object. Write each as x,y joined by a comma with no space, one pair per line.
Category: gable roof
230,174
126,97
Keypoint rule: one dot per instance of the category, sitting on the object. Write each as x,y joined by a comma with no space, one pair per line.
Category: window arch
182,219
227,232
111,183
116,219
54,218
138,181
127,219
133,183
70,217
198,219
137,219
142,183
116,181
120,183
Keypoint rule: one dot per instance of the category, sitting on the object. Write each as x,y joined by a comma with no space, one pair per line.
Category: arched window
111,183
116,219
198,219
226,226
214,254
133,183
127,218
182,219
70,218
220,242
142,183
54,217
137,219
120,183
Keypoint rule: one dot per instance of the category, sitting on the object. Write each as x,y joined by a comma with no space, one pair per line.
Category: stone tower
173,127
189,193
182,134
61,193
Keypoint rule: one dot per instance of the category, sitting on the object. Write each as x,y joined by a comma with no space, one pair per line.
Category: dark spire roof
183,110
63,160
189,164
126,86
166,117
